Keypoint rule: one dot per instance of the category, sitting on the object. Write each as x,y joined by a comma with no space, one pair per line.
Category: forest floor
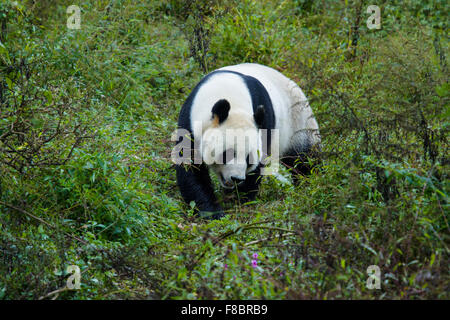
86,118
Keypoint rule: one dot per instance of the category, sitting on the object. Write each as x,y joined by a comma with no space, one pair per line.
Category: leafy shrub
113,208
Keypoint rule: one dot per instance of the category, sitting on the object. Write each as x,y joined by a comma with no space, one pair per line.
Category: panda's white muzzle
232,174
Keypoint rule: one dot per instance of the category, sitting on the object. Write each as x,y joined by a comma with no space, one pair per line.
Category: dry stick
56,292
269,238
248,227
41,220
27,213
219,238
230,233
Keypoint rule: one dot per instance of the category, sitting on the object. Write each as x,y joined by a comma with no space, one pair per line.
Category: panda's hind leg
303,154
301,161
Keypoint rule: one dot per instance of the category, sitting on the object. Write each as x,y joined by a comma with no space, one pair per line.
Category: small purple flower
225,266
255,261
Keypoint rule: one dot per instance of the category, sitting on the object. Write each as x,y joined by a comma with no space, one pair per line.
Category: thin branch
269,238
41,220
55,292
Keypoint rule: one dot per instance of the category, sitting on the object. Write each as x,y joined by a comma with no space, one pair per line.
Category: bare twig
269,238
55,293
41,220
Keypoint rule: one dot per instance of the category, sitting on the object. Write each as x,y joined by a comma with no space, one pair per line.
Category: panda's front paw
212,215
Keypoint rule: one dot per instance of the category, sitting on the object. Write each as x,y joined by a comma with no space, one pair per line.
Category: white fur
244,139
292,111
294,117
220,86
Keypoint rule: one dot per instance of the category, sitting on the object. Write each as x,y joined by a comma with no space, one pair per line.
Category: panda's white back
292,111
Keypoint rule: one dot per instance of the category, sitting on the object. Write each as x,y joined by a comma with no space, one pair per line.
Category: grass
114,210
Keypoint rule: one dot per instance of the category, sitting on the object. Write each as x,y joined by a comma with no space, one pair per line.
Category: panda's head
232,145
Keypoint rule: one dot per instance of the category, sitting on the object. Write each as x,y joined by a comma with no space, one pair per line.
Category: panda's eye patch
228,155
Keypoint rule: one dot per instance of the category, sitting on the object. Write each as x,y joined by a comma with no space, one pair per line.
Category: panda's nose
237,179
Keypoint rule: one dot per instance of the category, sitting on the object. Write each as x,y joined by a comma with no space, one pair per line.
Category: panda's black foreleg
195,185
249,188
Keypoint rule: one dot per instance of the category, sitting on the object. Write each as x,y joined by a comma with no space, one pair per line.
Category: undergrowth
86,118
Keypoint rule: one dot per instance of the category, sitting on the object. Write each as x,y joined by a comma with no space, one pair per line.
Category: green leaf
443,90
49,96
4,54
433,258
9,83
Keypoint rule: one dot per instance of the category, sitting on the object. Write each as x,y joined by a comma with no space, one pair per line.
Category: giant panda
249,97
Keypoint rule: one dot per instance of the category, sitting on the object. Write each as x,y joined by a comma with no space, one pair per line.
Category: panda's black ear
221,109
259,116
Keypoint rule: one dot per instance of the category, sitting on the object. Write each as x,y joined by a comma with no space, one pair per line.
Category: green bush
86,118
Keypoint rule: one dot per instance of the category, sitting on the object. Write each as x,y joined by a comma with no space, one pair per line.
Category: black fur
260,97
249,188
258,93
195,185
301,160
194,180
221,109
259,116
